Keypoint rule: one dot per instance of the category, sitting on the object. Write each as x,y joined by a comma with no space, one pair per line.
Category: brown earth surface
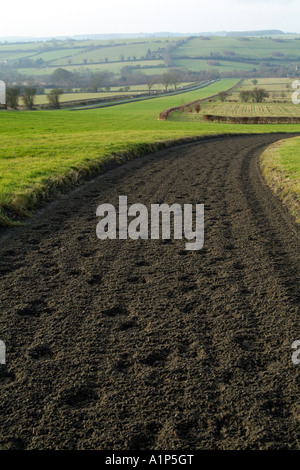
132,345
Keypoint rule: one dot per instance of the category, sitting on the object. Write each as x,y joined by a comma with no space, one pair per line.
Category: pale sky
68,17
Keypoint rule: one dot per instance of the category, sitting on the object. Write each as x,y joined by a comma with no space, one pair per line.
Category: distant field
114,67
79,50
12,55
151,71
55,149
276,105
42,99
242,109
274,86
113,53
196,65
115,91
233,54
251,48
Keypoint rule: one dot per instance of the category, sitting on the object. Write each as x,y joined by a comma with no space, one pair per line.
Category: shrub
245,96
259,94
12,97
53,97
223,95
28,96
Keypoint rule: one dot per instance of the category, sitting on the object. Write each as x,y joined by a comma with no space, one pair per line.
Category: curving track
141,344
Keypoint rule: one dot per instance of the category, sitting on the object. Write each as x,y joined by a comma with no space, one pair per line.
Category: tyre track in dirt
140,344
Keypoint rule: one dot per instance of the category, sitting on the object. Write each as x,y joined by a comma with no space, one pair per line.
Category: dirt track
141,344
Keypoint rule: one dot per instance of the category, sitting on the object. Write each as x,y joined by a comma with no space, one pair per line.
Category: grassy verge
281,168
45,153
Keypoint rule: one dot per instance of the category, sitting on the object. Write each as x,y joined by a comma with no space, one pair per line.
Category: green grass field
66,97
45,152
281,169
197,65
252,48
53,51
114,67
115,91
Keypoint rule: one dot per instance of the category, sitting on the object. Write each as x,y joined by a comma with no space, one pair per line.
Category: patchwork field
278,104
146,66
250,48
59,52
43,58
215,54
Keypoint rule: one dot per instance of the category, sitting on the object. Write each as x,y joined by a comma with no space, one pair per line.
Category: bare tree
223,95
28,96
53,97
150,84
166,80
245,96
98,81
12,97
259,94
174,78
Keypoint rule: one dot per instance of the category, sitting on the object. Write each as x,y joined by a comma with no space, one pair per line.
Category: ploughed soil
141,344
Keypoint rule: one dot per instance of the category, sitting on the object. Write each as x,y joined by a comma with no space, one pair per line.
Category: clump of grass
280,165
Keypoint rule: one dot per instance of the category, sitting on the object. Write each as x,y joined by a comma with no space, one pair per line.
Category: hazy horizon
140,34
65,19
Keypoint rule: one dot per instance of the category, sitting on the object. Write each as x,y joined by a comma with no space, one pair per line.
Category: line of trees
257,95
63,81
27,94
96,81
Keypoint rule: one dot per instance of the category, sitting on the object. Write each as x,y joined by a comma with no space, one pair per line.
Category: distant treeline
231,57
263,32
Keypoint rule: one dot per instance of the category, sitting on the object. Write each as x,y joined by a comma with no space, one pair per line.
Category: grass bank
281,169
45,153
